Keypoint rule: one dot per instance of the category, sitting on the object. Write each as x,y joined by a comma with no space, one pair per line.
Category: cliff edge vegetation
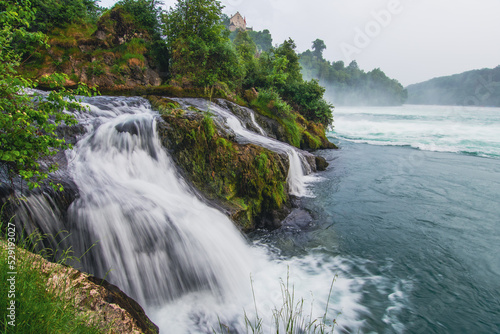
44,297
136,48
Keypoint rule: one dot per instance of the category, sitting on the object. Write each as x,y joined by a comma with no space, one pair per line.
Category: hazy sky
410,40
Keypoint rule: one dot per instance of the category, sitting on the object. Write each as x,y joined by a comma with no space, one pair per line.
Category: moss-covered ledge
248,181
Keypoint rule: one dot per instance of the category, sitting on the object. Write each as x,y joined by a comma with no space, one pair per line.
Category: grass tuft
290,318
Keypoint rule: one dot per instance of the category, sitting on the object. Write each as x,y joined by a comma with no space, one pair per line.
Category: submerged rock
297,220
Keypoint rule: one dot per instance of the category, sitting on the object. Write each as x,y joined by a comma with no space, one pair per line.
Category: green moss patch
248,180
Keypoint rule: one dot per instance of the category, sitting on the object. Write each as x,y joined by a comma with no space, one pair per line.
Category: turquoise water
467,130
413,198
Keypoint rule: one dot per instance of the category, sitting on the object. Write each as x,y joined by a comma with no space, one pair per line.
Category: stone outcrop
115,56
104,304
247,182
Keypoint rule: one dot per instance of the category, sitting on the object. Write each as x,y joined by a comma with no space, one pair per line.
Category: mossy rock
248,181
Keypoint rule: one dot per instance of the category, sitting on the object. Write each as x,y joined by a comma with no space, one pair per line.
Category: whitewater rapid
456,129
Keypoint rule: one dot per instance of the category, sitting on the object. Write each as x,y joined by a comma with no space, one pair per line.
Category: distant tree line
478,87
350,85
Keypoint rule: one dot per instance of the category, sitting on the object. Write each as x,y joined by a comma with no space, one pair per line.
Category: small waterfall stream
254,122
298,169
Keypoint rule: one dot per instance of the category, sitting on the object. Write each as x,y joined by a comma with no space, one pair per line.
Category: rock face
248,182
107,306
115,56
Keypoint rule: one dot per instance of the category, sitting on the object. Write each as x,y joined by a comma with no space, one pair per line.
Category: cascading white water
183,261
254,122
296,178
157,241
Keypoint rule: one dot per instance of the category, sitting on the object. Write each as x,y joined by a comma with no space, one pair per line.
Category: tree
28,123
318,46
189,18
245,46
199,44
293,69
146,13
353,66
262,39
57,13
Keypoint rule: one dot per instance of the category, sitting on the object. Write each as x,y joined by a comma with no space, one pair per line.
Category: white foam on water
470,130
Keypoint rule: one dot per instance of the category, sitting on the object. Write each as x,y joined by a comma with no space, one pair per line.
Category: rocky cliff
115,55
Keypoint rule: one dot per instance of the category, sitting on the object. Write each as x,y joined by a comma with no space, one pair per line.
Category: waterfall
296,178
148,224
183,261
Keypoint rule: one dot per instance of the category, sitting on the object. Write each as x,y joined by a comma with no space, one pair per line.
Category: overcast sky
410,40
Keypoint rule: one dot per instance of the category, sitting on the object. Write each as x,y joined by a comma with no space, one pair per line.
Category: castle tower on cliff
238,22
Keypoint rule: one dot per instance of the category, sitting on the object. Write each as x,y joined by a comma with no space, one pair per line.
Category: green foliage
59,13
201,51
165,106
245,46
262,39
28,123
271,100
318,46
96,69
209,125
351,85
158,51
292,66
262,162
203,56
145,13
307,98
247,50
147,16
202,18
204,64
